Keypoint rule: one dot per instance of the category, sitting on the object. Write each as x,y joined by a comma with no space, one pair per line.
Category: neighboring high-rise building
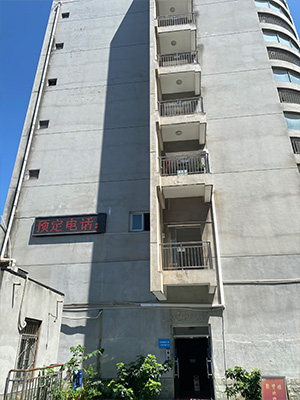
157,186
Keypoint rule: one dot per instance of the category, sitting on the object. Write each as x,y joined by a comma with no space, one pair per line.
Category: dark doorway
193,373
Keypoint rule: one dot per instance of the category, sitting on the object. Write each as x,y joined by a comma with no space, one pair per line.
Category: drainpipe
31,132
218,266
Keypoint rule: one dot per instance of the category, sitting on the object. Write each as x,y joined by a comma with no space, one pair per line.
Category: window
59,46
44,124
28,345
292,120
34,173
284,75
272,6
52,82
272,36
65,15
298,165
139,221
296,144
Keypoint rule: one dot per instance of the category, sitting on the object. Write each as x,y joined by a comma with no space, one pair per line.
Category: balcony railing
172,20
272,19
181,107
283,55
171,60
185,165
289,96
187,255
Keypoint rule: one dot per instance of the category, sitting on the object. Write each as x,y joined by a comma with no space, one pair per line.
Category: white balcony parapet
171,20
186,255
170,108
175,59
185,164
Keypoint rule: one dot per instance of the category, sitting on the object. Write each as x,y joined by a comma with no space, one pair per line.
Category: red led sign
66,225
273,388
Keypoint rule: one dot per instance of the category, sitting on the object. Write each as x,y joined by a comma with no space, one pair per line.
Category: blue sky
22,28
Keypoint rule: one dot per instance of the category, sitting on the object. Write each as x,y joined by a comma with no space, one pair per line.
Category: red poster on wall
273,388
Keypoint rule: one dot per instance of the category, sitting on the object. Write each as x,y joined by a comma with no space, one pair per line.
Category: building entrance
193,369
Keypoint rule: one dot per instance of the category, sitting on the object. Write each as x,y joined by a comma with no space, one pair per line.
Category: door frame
196,335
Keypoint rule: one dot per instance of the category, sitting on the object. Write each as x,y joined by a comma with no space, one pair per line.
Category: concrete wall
21,298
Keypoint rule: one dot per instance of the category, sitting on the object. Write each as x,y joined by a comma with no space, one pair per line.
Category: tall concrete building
157,186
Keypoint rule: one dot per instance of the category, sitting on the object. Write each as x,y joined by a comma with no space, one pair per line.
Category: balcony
186,255
176,59
185,164
171,108
177,40
173,20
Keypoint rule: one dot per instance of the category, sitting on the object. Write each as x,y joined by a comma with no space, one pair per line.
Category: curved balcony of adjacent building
280,38
270,19
279,53
276,6
289,96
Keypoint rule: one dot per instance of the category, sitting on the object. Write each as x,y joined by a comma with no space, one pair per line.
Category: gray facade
182,116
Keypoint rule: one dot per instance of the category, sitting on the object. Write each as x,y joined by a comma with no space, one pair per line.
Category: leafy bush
91,385
139,379
248,384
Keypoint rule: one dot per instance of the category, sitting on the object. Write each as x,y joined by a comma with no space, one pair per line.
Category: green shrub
248,384
139,379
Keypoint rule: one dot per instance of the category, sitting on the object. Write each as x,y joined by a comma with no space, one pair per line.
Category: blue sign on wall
164,343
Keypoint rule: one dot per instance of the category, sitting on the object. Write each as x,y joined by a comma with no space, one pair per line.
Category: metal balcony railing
289,96
272,19
172,20
181,107
283,55
33,384
170,60
186,255
185,164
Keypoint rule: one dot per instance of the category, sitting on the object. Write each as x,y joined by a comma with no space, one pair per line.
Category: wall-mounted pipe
31,132
217,247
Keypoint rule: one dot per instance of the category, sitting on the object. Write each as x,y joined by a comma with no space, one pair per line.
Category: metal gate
33,384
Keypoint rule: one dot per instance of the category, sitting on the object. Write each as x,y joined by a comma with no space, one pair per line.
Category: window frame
27,351
279,35
289,73
142,214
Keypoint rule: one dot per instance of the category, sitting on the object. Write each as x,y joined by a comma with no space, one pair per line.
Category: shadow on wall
120,255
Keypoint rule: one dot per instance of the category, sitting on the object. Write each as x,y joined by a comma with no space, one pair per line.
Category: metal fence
170,60
272,19
33,384
185,164
283,55
187,255
180,107
171,20
289,96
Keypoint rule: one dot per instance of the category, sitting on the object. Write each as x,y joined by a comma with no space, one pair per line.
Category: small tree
248,384
91,388
139,379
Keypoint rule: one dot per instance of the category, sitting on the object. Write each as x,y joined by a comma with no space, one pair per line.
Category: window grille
296,145
289,96
272,19
283,55
28,345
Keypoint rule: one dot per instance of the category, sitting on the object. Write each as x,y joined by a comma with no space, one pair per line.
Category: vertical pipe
219,270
